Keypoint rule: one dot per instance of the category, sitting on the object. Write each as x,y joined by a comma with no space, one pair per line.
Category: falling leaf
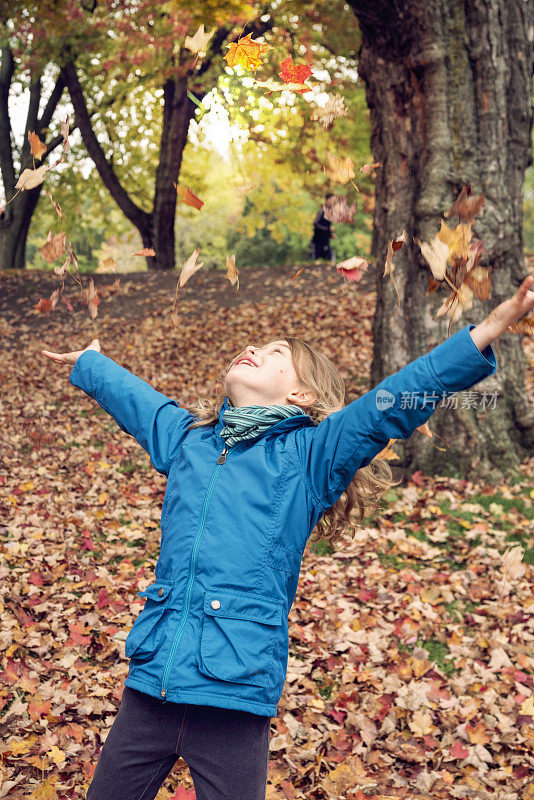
91,299
186,196
37,147
352,267
388,453
53,247
146,251
246,52
425,430
45,305
198,42
524,326
366,169
340,169
274,86
301,270
31,178
466,206
436,253
338,210
107,264
243,190
56,205
454,305
190,267
295,75
393,246
327,114
232,273
389,266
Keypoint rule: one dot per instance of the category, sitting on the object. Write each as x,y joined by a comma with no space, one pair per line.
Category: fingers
525,286
53,356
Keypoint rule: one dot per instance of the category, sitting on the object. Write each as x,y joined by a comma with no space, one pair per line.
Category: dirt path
142,294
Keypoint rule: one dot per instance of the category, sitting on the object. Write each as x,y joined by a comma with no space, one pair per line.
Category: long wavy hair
317,373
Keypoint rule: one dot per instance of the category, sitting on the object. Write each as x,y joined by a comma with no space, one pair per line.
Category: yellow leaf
26,487
56,755
340,169
527,706
246,52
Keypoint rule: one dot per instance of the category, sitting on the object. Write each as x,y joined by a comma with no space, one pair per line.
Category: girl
250,475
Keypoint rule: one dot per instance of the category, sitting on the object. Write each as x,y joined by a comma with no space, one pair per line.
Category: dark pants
227,751
322,249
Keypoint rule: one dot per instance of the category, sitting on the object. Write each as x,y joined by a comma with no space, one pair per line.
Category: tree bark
449,91
16,216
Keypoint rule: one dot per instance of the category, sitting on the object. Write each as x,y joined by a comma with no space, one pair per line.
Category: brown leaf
53,247
466,206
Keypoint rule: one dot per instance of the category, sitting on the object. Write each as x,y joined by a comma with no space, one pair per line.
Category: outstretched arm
331,453
157,423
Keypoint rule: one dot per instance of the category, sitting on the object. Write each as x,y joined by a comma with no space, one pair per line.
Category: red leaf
291,73
458,750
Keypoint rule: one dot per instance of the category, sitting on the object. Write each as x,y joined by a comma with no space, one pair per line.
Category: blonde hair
317,373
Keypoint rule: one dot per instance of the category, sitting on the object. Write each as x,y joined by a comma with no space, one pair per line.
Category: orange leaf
246,52
146,251
186,196
37,147
46,304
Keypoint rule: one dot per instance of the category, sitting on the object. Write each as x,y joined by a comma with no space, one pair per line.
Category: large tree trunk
449,87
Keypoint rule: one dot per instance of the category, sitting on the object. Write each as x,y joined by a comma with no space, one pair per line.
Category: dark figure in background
320,243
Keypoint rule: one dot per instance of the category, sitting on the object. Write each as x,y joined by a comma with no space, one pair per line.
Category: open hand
514,308
70,358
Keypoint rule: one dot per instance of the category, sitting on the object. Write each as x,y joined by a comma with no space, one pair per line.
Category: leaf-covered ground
408,677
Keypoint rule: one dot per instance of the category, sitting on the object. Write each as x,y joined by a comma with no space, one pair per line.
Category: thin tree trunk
16,217
449,88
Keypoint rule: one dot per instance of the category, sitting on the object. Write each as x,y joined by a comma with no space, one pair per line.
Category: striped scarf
245,422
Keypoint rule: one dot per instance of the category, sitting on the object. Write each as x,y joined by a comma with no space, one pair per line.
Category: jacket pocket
146,635
238,633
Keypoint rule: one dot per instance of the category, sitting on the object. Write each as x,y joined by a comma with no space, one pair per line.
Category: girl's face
272,381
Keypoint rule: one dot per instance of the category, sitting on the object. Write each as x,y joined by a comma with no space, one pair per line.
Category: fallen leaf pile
410,672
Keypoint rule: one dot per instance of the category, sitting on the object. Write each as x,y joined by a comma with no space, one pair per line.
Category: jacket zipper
221,460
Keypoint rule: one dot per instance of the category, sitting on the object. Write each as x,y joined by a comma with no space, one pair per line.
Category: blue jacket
214,627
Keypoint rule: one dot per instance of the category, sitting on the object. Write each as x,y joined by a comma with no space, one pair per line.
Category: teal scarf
246,422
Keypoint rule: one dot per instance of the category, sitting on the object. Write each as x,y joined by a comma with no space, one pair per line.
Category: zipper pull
222,457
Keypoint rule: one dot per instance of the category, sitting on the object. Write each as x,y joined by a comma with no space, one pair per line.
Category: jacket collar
295,421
